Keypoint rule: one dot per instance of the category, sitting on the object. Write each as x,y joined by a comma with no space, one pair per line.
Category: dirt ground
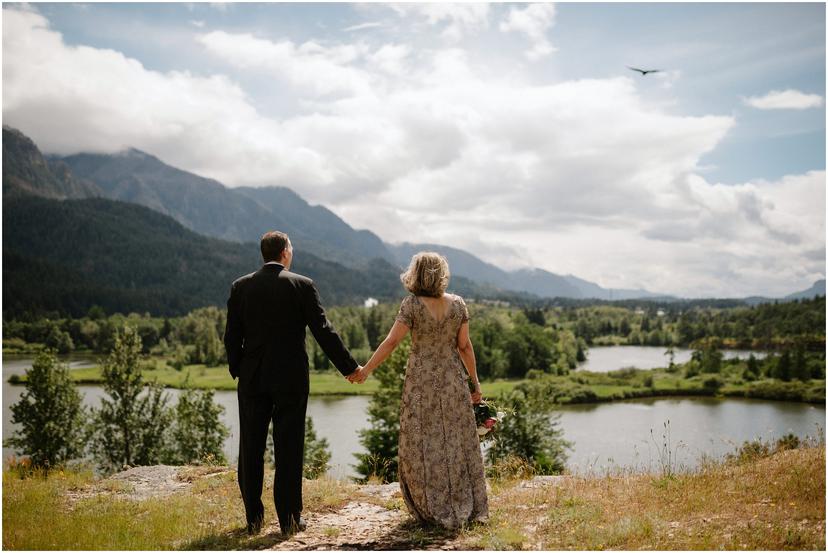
375,519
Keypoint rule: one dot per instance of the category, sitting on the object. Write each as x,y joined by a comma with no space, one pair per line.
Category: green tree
800,365
783,368
671,355
581,356
59,340
96,313
535,316
712,360
529,430
50,414
752,369
817,367
317,456
197,431
381,438
130,427
624,328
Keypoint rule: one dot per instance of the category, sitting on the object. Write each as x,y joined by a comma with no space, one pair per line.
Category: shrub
197,432
50,414
712,383
528,430
788,441
750,451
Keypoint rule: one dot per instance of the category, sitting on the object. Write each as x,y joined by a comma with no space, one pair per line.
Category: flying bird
644,71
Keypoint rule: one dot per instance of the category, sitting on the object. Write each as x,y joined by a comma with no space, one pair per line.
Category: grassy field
771,502
576,387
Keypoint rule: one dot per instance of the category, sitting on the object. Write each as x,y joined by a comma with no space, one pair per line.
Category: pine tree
752,370
800,365
382,437
50,413
671,355
317,455
131,426
783,367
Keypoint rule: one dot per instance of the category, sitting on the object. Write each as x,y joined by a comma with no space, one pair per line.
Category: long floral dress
440,464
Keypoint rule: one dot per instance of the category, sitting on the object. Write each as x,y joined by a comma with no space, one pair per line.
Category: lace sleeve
464,311
406,313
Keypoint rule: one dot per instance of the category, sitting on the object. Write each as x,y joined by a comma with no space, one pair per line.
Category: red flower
488,423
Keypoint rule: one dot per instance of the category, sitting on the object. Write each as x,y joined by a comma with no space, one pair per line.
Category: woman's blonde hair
427,275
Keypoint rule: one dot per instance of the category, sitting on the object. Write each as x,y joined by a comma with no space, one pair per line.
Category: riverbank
578,386
761,502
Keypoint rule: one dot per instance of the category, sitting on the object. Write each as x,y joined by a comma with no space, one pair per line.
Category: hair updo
427,275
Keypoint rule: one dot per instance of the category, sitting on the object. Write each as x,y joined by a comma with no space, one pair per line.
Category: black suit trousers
257,407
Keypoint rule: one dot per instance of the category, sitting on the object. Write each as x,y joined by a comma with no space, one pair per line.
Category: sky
514,131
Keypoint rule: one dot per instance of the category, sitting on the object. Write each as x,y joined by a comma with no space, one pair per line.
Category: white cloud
391,58
583,177
312,66
533,21
197,23
362,26
784,99
459,19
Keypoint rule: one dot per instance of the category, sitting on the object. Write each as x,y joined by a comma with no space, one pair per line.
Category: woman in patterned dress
440,464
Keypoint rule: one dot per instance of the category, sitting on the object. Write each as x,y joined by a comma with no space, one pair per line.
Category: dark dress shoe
297,525
255,527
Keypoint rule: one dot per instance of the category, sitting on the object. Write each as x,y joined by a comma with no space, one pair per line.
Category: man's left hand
355,376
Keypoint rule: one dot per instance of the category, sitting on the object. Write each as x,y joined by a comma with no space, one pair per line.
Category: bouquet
486,417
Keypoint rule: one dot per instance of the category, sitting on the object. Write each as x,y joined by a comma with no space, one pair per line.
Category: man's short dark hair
273,244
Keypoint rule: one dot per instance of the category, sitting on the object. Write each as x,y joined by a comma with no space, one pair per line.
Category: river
604,435
609,358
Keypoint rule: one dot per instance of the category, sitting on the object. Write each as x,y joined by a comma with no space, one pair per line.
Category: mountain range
65,249
239,216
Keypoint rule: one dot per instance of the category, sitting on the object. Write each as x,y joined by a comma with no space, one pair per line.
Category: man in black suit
265,340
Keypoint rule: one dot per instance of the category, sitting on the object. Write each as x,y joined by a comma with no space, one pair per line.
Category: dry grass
772,503
768,503
84,514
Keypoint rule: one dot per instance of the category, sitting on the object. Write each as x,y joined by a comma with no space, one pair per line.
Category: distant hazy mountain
26,171
461,262
322,231
238,214
817,289
243,214
125,257
592,290
534,281
68,255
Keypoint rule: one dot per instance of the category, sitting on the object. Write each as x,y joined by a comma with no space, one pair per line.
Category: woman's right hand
476,396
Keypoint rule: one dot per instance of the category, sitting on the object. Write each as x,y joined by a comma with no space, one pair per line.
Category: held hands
358,376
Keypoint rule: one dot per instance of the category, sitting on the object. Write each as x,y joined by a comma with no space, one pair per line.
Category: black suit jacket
265,334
